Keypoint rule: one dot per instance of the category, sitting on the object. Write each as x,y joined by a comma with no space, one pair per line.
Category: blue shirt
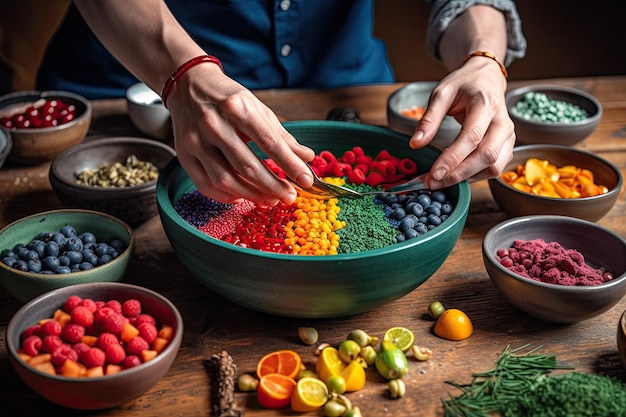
261,43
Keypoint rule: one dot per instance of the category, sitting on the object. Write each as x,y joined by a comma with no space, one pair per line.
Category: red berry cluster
108,336
43,113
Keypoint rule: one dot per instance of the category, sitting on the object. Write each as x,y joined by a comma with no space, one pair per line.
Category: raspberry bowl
312,286
34,249
572,296
83,380
42,124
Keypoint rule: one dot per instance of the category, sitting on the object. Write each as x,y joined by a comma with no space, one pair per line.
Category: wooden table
213,324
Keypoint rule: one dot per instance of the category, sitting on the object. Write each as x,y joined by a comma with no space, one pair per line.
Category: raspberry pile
87,338
42,113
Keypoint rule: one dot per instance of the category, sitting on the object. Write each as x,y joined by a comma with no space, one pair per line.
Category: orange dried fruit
284,362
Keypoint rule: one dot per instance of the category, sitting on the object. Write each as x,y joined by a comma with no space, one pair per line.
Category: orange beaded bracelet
167,87
490,56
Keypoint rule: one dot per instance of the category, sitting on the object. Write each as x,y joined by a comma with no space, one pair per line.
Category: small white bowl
147,112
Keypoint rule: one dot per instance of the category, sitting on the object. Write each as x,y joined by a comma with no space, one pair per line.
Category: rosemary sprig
490,390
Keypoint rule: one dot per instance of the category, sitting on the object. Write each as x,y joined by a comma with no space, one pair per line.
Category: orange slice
275,390
284,362
454,324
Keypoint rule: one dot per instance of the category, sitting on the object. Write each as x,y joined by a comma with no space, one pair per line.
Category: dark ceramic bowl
621,338
553,302
517,203
32,146
418,94
133,204
315,286
97,392
538,132
5,145
27,285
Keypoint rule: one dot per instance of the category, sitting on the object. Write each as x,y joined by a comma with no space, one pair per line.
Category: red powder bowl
557,303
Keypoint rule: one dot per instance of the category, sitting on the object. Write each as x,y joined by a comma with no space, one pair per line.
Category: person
285,44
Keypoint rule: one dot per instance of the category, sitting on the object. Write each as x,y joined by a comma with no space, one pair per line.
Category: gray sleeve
443,12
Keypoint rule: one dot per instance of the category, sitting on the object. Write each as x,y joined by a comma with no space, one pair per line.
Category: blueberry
113,252
63,270
417,209
390,199
7,252
58,238
84,266
21,265
18,246
73,244
68,231
423,219
51,263
411,234
89,257
400,238
104,259
34,265
75,268
22,253
38,246
64,260
101,249
424,200
75,257
407,223
444,217
446,208
10,261
434,220
438,196
421,228
398,213
87,237
433,210
52,248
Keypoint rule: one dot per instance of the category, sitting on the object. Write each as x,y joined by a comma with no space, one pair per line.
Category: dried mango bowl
314,286
515,202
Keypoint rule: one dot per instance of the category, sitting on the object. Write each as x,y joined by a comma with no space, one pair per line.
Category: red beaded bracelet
490,56
167,87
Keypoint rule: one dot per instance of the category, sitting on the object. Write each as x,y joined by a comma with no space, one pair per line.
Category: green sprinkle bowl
102,392
25,286
315,286
516,203
553,302
531,131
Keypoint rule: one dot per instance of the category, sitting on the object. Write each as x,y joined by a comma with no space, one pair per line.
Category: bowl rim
56,162
129,247
500,227
165,205
615,190
142,86
78,287
39,94
410,86
8,143
542,88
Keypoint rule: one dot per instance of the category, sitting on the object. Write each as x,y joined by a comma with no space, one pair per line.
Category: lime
310,394
400,337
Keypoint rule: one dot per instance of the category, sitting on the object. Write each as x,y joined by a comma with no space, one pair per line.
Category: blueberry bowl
314,286
33,247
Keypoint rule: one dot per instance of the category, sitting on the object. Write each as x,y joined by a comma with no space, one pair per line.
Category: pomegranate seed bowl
370,251
94,346
42,124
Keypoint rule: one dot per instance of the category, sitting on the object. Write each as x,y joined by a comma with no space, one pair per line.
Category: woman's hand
213,119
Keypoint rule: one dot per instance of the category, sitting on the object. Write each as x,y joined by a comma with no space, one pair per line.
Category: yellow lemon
310,394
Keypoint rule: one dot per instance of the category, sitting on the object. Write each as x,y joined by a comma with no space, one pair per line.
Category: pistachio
117,175
397,388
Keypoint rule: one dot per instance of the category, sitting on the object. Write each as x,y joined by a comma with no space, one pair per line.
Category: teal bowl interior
27,285
315,286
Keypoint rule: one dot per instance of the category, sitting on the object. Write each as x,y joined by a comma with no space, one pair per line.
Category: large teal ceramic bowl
315,286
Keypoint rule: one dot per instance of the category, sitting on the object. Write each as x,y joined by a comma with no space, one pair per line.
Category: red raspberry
131,308
113,323
30,331
50,343
115,354
100,304
63,353
73,333
32,345
106,339
136,345
71,302
130,361
143,318
90,304
148,331
100,314
51,328
115,305
81,347
93,357
82,315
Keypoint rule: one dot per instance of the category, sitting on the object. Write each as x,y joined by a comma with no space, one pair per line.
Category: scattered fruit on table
310,394
275,390
453,324
308,335
391,362
400,337
284,362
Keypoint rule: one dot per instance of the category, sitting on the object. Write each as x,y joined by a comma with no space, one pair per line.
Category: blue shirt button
285,50
285,5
